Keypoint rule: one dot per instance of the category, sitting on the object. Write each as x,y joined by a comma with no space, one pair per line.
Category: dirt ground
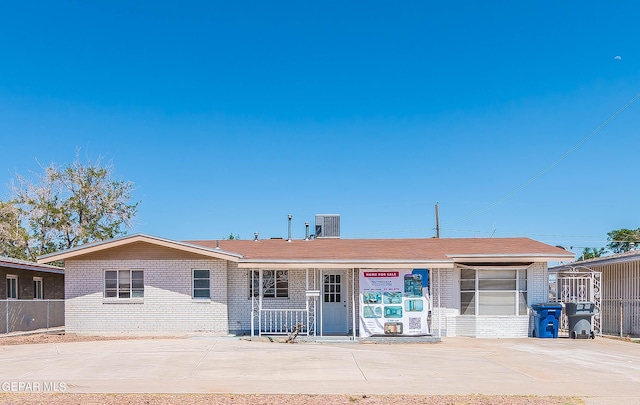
62,337
195,399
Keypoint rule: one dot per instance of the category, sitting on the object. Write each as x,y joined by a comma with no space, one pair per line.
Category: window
275,283
12,287
123,284
332,285
493,291
201,284
37,288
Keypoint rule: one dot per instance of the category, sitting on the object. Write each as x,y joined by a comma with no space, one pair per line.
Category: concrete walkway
601,371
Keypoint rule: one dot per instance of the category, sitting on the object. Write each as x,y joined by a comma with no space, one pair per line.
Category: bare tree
13,236
72,205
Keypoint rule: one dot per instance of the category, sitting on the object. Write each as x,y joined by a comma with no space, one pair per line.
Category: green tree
620,239
591,253
66,207
232,237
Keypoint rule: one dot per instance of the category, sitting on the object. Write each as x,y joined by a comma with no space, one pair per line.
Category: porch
313,302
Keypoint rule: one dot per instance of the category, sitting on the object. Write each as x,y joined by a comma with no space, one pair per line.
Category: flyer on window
394,302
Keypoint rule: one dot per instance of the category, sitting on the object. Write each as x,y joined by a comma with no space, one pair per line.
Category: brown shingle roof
431,249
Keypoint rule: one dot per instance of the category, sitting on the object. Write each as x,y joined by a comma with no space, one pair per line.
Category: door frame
344,286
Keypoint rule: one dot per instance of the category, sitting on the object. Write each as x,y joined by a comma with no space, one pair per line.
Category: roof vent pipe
289,233
255,236
306,231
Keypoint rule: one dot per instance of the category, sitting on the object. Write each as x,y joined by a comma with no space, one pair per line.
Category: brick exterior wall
454,324
167,306
52,284
240,303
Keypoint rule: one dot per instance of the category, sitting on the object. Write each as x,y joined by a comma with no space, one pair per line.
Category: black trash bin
580,315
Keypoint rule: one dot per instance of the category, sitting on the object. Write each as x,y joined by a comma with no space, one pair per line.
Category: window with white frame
37,288
12,287
495,291
123,284
275,283
201,284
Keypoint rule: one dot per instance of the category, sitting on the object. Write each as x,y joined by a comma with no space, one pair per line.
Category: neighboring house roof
631,256
334,252
11,263
126,240
415,252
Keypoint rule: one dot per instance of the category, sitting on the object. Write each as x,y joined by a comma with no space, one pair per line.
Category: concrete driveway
600,370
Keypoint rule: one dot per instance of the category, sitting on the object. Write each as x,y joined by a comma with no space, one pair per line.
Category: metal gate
577,284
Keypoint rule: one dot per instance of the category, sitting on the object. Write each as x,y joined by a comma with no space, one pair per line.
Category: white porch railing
283,321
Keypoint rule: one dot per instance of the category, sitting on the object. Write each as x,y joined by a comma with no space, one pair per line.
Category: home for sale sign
394,302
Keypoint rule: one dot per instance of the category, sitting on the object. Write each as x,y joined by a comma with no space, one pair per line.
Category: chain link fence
621,317
27,315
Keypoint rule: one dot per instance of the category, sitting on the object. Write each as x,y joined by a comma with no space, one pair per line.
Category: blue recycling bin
546,320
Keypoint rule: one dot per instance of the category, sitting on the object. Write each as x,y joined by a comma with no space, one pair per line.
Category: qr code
414,323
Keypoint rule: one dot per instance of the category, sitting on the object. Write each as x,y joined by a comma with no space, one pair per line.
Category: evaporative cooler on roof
327,226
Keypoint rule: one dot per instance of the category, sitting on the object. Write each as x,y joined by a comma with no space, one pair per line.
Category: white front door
334,302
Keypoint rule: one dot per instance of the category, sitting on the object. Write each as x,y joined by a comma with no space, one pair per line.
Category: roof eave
112,243
521,257
601,261
34,267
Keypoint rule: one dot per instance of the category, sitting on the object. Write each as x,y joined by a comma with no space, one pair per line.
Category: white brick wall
167,306
483,326
240,303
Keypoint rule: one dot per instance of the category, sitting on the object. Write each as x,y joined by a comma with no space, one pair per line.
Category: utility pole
437,222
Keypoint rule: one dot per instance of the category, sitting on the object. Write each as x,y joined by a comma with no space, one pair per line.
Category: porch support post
307,298
353,302
253,301
321,285
260,303
439,307
315,303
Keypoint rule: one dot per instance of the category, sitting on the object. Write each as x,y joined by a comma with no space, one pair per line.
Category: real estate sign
394,302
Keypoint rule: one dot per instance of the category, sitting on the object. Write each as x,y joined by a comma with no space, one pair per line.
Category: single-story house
31,296
616,290
142,284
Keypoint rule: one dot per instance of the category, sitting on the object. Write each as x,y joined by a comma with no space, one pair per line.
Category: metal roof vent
327,225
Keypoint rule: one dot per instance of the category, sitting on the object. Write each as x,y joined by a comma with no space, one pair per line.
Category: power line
554,163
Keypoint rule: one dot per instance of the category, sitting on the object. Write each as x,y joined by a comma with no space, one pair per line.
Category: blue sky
228,116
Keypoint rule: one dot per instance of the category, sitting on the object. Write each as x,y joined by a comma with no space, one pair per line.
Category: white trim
13,277
353,301
519,257
193,285
37,281
117,297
